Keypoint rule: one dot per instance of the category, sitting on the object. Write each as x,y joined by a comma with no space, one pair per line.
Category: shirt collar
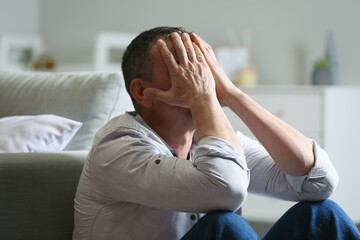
139,119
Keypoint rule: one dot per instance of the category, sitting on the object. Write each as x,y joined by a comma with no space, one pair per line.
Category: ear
137,87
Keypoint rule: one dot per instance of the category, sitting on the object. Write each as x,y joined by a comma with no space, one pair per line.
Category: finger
198,40
188,46
199,55
167,56
164,96
154,93
171,48
179,48
205,48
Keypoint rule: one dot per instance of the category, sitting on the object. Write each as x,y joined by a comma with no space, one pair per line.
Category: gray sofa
37,189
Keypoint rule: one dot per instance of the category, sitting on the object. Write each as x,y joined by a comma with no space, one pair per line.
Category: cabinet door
302,111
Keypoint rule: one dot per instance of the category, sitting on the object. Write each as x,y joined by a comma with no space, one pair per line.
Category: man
155,173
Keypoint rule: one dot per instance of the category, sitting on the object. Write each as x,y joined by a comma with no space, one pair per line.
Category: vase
322,77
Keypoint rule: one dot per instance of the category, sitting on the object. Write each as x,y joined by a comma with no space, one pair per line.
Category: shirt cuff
320,169
217,147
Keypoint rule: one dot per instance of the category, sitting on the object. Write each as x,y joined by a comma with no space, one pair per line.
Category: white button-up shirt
133,186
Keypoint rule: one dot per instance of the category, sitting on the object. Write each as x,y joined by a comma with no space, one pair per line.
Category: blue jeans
306,220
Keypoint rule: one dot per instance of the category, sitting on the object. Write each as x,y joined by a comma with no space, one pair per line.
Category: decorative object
232,58
16,51
322,72
236,59
110,47
44,60
247,76
325,70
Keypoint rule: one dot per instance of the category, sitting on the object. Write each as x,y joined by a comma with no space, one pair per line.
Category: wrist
206,116
198,103
232,97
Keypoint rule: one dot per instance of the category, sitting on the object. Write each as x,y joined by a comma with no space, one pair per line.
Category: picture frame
110,46
16,51
233,58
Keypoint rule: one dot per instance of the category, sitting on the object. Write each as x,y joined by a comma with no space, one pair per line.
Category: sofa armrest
37,193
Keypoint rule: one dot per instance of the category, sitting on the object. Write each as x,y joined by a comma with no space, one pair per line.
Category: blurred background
278,43
287,37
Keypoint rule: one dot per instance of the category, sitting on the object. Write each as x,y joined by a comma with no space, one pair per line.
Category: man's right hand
192,82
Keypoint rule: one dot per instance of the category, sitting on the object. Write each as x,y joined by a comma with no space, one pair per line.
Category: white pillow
39,133
92,98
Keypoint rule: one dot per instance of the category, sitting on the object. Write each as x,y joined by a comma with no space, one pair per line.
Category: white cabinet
331,116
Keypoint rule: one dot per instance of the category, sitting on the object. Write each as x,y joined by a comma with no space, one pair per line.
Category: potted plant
322,72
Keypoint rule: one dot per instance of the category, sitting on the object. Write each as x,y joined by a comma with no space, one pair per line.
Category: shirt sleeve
137,169
267,179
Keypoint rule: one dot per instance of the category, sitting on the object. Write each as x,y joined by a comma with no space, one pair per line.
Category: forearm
209,182
290,149
318,184
210,120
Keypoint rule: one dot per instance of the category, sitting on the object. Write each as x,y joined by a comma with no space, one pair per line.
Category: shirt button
193,217
157,161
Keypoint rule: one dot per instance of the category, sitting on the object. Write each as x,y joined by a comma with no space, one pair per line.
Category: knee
220,215
225,219
228,225
315,220
325,209
325,205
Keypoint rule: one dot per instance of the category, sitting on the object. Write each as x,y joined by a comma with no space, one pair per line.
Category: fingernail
160,41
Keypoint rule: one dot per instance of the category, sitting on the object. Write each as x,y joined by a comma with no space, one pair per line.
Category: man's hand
223,83
191,78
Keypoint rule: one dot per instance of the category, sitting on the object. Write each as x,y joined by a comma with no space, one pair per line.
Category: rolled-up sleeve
267,179
135,169
320,182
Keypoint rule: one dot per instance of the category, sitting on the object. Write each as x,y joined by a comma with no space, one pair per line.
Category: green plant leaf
322,63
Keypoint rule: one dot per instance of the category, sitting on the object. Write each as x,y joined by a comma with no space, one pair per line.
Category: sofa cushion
39,133
89,97
37,194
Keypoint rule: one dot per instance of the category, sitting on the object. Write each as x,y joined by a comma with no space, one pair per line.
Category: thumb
164,96
156,94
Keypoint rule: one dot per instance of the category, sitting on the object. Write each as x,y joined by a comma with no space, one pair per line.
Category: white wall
287,35
19,16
